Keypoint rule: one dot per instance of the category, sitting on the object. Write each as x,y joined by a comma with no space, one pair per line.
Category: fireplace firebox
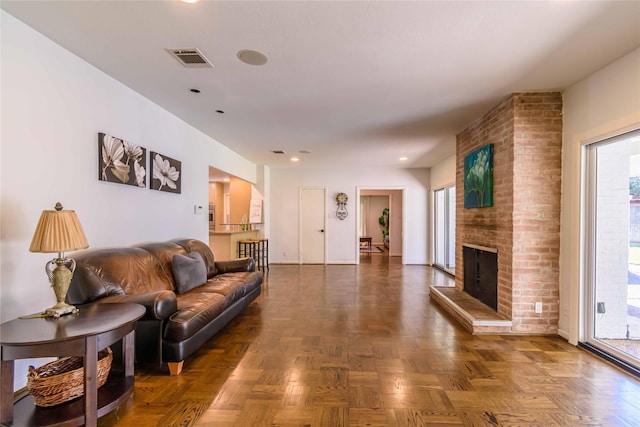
480,271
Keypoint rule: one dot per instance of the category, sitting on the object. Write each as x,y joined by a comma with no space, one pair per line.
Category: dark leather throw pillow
189,271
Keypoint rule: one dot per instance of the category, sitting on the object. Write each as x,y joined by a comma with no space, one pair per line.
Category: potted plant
383,220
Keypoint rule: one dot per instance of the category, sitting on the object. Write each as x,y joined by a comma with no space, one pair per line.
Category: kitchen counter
224,244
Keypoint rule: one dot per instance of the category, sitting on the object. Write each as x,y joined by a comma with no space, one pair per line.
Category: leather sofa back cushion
164,252
189,271
100,271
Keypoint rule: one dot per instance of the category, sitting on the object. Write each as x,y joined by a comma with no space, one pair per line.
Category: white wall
263,187
53,106
443,174
604,104
342,236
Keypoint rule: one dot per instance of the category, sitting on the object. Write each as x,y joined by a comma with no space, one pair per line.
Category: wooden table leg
128,356
6,392
91,381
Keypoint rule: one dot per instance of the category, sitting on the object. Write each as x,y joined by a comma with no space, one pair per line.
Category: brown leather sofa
182,313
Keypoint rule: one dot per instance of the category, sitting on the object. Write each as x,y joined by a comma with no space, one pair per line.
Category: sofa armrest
159,305
236,265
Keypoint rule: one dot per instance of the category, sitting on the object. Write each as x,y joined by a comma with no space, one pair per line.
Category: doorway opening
380,224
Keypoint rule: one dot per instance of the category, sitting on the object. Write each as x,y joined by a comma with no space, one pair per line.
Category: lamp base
60,270
61,309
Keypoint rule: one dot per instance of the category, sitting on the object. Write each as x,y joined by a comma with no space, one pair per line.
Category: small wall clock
342,199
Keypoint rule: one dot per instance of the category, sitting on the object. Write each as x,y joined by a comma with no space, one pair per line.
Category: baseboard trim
564,334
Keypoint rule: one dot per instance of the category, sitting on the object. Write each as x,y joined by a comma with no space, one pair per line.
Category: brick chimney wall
524,222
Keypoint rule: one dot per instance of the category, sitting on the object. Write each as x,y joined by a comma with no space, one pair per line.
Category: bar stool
258,249
262,253
246,248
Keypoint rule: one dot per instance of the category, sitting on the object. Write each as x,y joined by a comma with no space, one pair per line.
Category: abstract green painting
478,178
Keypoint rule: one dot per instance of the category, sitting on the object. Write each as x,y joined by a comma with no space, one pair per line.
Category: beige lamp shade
58,231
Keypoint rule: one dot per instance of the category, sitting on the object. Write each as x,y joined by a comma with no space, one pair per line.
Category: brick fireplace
523,224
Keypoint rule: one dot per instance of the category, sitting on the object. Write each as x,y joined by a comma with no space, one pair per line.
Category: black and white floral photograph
121,161
165,173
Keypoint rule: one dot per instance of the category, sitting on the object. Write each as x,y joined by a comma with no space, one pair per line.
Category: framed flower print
165,173
121,161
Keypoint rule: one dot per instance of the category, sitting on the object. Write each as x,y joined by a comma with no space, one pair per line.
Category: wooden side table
96,327
366,242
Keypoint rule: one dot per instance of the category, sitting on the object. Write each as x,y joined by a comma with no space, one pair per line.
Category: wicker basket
63,380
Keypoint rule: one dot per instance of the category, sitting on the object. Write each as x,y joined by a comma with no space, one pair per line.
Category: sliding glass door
445,228
612,255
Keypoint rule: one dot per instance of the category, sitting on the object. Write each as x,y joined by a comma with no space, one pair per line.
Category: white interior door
312,225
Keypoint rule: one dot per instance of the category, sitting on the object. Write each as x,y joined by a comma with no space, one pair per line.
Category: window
612,255
445,228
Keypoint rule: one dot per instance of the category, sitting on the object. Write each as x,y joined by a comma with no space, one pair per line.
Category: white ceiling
355,83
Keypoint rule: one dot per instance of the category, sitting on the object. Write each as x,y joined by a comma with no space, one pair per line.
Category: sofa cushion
193,245
189,271
112,271
196,309
164,252
233,285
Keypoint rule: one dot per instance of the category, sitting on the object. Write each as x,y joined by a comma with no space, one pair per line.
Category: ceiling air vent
277,151
190,58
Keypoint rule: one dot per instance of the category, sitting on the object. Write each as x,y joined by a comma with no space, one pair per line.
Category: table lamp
59,231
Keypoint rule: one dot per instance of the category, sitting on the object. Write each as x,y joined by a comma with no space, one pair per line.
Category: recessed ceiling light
402,159
188,1
252,57
294,159
194,90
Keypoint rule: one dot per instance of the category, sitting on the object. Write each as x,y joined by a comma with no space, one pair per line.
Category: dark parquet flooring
345,345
